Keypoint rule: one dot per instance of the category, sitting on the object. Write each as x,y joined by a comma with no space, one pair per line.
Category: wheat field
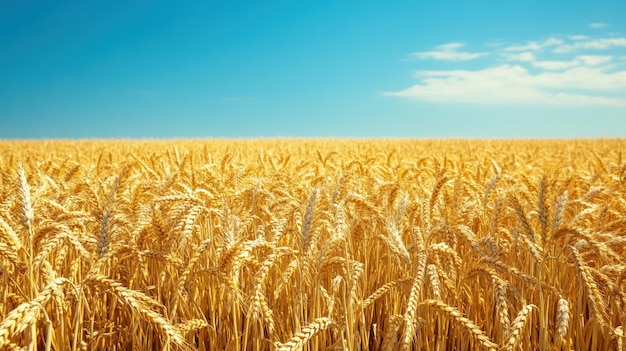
312,245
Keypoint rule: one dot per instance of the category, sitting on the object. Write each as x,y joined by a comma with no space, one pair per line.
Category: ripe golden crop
312,244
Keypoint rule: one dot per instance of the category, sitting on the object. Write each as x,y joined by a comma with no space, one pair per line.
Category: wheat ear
594,295
433,277
298,341
411,310
477,333
140,304
390,339
18,320
502,302
517,326
309,214
381,291
562,319
7,232
26,314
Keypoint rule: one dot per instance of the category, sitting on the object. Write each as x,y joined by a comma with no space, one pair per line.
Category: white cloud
582,60
451,46
555,71
449,52
579,42
555,65
594,60
535,46
513,84
596,25
578,37
581,78
592,44
523,57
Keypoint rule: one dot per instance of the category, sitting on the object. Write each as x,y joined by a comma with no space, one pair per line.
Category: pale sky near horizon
470,69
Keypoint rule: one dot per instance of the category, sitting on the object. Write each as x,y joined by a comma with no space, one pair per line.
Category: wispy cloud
534,45
592,44
594,60
544,72
448,52
560,46
554,65
523,57
513,84
583,60
597,25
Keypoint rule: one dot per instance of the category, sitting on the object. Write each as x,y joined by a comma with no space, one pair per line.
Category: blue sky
147,69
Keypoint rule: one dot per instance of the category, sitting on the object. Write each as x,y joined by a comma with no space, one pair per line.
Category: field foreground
312,244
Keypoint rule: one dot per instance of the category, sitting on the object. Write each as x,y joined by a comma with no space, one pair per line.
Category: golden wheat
312,245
